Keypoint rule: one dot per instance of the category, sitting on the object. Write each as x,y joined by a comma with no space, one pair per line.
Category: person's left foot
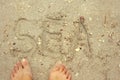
21,71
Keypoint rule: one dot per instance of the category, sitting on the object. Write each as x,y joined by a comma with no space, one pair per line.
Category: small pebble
14,43
76,74
65,58
77,49
91,33
101,40
90,19
39,41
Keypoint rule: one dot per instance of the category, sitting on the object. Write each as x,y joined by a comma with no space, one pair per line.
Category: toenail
23,60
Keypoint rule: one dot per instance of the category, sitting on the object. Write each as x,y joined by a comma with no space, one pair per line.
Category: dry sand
47,31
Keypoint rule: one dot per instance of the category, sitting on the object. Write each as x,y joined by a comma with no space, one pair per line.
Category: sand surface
83,34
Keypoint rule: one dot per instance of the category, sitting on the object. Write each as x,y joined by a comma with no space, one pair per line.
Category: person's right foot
21,71
59,72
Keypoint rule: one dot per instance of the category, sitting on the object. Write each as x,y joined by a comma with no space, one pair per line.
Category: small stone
102,35
41,63
65,58
76,74
77,49
91,33
28,6
14,43
39,41
101,40
90,19
61,29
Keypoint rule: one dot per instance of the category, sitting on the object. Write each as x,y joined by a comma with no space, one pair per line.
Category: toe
15,68
65,71
69,77
24,63
62,68
12,74
19,65
26,67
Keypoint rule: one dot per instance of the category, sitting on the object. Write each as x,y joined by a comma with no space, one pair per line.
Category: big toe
25,64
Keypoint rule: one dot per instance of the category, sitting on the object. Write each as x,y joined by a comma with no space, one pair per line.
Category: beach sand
82,34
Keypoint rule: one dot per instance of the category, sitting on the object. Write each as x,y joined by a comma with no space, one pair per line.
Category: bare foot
59,72
21,71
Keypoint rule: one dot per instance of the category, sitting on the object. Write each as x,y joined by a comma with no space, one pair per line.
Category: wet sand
83,34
